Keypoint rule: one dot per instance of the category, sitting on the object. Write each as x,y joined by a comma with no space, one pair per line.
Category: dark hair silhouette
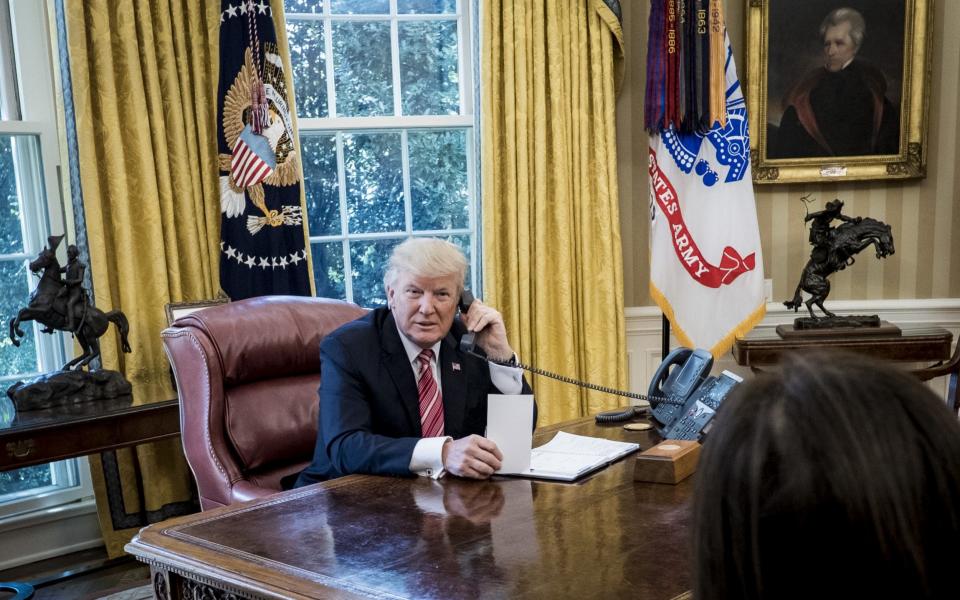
839,477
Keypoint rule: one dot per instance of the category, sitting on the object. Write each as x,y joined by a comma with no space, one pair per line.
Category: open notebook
566,457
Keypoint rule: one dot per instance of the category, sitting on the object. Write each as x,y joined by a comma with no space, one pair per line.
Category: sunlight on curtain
552,258
144,88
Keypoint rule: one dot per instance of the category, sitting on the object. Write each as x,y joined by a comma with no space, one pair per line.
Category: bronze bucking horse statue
49,306
833,250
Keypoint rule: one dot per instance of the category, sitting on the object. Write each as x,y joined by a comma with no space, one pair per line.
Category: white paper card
510,427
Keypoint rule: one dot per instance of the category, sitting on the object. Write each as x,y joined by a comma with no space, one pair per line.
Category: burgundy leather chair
247,374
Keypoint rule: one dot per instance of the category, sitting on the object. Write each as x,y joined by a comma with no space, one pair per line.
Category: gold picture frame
175,310
788,56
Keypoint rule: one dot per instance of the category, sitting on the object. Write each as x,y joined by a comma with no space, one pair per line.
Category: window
384,95
30,210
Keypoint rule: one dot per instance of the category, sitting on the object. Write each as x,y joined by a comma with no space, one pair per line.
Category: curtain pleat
551,231
144,77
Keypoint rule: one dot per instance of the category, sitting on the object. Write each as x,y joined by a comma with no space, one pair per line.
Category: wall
923,213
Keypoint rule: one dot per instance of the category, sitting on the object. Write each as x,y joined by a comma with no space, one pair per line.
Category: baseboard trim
50,532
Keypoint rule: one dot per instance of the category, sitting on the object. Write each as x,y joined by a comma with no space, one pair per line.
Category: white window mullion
463,66
388,235
472,204
395,58
328,49
344,220
412,122
407,200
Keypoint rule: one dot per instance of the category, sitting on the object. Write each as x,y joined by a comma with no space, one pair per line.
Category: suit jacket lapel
453,385
397,362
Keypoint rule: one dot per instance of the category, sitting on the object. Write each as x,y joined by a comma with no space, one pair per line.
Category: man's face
838,47
424,307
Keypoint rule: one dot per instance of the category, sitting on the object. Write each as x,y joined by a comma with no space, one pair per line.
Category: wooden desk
918,343
41,436
387,537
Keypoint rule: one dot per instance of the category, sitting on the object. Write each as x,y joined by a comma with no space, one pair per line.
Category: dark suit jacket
369,407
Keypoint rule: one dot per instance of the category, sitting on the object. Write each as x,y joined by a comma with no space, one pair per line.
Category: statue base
64,388
847,326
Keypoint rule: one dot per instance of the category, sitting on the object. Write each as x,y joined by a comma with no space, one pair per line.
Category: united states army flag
706,270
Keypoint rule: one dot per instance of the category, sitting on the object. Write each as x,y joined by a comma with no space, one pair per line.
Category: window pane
438,179
463,241
11,231
328,269
431,7
302,6
363,69
320,180
16,295
429,79
308,57
27,478
360,7
374,176
367,260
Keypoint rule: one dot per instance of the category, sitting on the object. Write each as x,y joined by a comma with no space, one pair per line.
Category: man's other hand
473,456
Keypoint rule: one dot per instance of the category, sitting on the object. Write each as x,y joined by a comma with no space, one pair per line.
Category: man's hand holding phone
491,333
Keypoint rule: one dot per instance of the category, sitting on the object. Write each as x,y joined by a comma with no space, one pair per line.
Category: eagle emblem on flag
262,158
263,239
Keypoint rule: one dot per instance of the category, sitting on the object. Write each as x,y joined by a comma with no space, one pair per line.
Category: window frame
42,210
337,126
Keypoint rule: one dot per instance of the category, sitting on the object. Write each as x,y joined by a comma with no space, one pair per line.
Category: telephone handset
691,368
689,379
468,345
468,341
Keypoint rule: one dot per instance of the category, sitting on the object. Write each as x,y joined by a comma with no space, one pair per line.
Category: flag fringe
726,342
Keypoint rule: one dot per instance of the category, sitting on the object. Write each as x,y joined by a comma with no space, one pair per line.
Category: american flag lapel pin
456,366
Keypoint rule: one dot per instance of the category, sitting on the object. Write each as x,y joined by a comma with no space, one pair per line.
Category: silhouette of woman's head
837,477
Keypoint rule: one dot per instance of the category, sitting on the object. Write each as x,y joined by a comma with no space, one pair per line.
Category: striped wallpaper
923,213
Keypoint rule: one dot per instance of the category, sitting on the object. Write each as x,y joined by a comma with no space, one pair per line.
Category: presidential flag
262,238
706,267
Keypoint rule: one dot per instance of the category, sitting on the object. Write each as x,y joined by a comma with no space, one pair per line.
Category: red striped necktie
431,402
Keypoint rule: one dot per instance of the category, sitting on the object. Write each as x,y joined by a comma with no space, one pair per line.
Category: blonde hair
426,257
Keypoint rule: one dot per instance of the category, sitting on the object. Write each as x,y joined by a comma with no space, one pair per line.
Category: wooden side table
42,436
917,343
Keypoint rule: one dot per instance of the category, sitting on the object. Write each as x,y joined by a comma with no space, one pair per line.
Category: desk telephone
683,400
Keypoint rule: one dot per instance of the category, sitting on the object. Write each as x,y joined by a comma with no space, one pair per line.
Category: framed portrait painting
838,89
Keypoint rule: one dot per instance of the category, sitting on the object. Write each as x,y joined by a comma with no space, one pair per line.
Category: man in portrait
841,108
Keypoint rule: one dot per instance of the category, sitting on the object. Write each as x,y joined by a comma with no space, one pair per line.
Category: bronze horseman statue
60,302
833,250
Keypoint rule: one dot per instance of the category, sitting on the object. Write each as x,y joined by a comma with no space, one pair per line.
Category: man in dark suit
397,396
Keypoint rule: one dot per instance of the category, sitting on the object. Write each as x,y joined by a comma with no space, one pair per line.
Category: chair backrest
247,375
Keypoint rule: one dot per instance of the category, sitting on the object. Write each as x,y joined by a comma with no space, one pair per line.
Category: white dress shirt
427,459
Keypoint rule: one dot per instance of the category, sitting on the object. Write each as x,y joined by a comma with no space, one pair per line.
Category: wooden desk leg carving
172,585
161,583
194,589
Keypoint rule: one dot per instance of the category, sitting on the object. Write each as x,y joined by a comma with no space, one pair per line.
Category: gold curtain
144,88
551,226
